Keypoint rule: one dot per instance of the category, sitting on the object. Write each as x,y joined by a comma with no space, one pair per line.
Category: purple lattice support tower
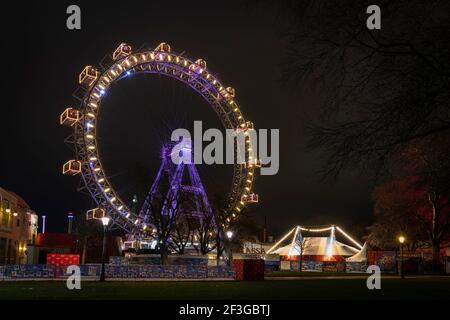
174,174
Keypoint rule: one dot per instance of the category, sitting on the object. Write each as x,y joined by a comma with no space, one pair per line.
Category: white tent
361,256
317,246
320,245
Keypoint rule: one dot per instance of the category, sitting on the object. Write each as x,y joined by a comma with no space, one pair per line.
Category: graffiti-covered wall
118,271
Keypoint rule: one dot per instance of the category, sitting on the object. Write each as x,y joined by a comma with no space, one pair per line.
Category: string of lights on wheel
94,83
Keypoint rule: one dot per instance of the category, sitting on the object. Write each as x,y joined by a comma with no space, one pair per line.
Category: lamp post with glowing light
105,222
401,239
134,205
43,224
229,234
69,226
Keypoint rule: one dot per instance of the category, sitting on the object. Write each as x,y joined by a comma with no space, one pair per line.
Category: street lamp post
401,239
105,222
229,236
134,203
43,224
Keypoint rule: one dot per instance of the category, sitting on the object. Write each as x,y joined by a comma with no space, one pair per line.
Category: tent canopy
318,246
360,256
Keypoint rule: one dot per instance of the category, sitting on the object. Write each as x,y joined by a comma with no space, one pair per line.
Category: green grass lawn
391,288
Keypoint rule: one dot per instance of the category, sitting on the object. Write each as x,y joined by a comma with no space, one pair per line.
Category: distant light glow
105,221
331,242
315,230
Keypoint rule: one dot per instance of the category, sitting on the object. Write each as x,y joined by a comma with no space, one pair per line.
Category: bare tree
182,234
164,210
218,205
417,201
381,88
304,244
204,233
85,229
428,160
395,206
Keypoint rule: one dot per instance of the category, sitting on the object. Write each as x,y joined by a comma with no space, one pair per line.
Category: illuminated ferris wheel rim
160,61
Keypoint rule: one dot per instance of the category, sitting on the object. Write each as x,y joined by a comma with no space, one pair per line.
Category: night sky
241,45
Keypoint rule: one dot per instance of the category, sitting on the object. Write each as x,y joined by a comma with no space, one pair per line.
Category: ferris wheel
94,83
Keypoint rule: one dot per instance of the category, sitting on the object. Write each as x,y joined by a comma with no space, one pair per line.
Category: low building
18,228
88,248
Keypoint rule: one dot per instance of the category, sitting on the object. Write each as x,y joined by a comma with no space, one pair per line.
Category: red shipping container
249,269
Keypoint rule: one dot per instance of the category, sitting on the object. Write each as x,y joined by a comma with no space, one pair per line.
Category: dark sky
242,47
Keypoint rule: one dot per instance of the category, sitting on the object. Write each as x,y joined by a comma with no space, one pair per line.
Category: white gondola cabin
250,198
69,117
228,92
88,76
231,92
254,163
122,51
201,63
164,47
96,213
248,126
72,167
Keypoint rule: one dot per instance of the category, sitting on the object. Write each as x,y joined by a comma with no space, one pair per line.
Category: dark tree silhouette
164,211
182,233
218,204
395,208
417,202
381,88
204,232
85,229
304,244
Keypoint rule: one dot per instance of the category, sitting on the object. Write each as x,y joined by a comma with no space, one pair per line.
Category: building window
6,213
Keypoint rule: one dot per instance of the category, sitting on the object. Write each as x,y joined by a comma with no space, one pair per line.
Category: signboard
253,248
63,259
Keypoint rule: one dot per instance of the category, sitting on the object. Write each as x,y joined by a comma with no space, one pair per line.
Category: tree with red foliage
430,162
395,210
417,203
